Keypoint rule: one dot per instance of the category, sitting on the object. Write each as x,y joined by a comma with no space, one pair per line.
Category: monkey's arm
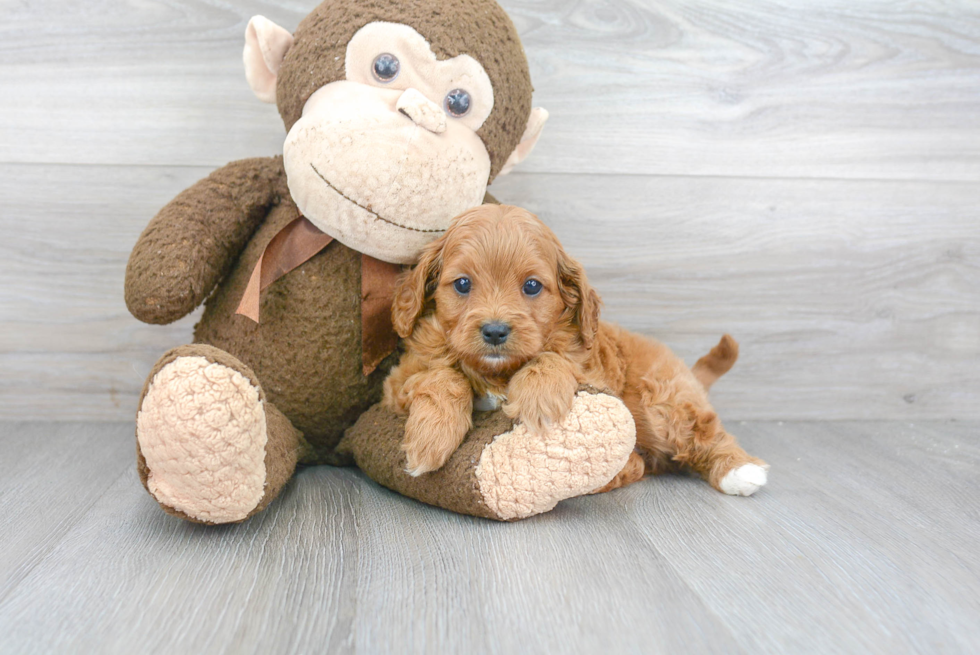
194,240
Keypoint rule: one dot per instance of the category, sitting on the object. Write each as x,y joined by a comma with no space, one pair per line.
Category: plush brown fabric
318,53
193,241
295,244
307,348
374,444
306,351
283,450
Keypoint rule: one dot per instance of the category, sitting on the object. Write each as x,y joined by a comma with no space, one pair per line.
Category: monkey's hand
541,393
191,244
439,416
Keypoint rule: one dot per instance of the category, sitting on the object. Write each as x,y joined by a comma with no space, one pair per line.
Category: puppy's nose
495,333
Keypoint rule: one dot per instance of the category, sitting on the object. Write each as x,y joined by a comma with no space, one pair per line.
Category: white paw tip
744,480
421,469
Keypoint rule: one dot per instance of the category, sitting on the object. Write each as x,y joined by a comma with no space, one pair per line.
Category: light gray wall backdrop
803,175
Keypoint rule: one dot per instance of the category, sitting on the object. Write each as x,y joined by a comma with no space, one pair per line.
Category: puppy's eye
458,102
532,287
386,67
462,285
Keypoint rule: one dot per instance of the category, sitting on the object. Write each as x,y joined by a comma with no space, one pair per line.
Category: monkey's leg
502,471
210,448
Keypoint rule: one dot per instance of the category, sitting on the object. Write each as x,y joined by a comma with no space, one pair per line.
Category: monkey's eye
532,287
386,67
462,285
458,102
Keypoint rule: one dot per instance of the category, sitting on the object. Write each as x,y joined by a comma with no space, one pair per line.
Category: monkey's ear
266,45
534,125
416,288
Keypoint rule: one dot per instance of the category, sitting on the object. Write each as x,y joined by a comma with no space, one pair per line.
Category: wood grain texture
808,89
850,299
128,578
819,88
68,345
865,535
568,581
864,541
50,476
802,175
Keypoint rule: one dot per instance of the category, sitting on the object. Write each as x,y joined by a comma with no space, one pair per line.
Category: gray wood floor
865,541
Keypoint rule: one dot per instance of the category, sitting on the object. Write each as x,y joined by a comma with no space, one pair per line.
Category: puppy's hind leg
716,456
679,426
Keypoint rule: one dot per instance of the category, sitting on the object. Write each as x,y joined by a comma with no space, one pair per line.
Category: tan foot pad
521,474
202,431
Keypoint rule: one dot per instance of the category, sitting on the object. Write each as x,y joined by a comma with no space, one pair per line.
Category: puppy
497,309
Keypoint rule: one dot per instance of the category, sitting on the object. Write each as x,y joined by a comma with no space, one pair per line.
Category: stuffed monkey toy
399,113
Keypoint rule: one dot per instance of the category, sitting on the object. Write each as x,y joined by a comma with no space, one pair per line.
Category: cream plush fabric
522,474
202,431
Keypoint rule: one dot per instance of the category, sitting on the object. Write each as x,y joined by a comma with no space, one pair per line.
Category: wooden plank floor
865,541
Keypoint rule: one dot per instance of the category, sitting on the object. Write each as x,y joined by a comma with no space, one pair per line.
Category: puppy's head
502,290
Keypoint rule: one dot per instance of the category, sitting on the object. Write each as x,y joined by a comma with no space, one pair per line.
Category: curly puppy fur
551,341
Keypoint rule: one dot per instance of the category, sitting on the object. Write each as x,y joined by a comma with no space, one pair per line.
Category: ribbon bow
296,244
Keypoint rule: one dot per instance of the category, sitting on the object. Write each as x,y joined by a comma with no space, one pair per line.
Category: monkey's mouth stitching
373,213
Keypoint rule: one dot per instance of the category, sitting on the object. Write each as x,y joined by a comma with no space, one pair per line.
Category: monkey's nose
422,111
495,333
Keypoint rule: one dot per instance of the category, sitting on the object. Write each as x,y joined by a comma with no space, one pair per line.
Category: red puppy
496,308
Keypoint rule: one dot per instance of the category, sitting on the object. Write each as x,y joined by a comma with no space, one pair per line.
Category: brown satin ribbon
293,245
296,244
378,337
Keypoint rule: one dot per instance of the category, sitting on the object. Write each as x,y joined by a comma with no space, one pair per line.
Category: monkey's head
399,114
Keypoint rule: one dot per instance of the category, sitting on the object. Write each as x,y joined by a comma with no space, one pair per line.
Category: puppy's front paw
539,399
536,410
428,445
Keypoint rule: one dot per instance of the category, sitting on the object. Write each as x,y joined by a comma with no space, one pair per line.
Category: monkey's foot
202,437
521,474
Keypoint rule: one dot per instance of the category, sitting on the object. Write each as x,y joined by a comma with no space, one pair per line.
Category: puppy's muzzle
495,333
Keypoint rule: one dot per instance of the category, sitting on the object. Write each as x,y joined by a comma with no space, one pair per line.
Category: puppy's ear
416,289
580,298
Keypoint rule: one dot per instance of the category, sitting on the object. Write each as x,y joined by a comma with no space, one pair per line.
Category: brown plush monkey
399,114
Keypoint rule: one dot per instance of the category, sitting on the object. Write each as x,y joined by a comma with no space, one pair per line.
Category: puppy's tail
717,362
